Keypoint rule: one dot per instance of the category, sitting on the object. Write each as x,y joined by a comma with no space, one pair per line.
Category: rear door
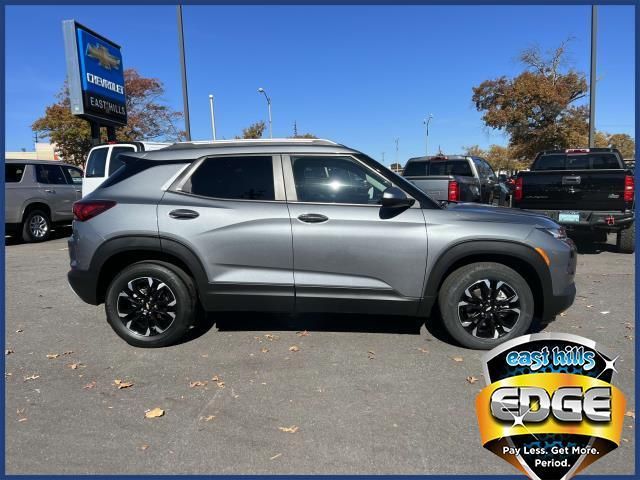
230,211
74,177
350,254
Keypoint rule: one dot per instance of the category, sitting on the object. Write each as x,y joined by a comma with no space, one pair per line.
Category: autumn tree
147,119
474,151
537,109
255,130
624,143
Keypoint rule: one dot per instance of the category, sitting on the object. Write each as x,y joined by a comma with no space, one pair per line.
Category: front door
350,253
231,213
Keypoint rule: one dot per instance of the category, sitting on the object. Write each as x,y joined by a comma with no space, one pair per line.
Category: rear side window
589,161
96,162
50,174
13,173
115,163
74,175
243,178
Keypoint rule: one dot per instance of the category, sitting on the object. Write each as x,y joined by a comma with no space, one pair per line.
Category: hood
476,212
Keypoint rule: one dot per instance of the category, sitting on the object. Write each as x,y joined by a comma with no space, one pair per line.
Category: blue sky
360,75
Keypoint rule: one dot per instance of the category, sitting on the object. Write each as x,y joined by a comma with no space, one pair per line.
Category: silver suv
37,195
305,226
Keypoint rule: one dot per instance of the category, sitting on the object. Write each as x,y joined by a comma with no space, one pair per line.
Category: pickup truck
454,178
587,189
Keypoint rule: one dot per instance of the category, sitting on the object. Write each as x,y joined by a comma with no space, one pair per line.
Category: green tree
255,130
536,109
147,119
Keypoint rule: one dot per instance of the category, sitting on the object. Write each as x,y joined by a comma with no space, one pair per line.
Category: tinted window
74,175
415,169
449,167
247,178
96,162
336,180
50,174
115,162
13,172
561,161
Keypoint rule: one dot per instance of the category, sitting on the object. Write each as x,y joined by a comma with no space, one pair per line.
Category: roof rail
266,141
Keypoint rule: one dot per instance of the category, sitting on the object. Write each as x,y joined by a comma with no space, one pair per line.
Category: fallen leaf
630,414
303,334
472,379
122,384
23,419
68,352
144,447
216,378
197,383
264,349
291,429
9,351
89,386
31,377
563,314
271,337
75,366
20,411
606,312
457,359
371,355
628,325
276,456
628,337
19,330
51,356
220,384
154,413
208,418
625,440
294,348
423,350
589,306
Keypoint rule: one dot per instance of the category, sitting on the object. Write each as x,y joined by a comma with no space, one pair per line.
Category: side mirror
395,198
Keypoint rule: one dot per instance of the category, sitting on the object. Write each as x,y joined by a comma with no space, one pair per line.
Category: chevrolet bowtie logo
101,54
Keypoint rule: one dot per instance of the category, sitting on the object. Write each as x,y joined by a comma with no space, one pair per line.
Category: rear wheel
150,305
36,226
484,304
626,240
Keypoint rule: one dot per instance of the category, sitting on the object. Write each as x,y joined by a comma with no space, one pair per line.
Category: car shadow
56,233
588,246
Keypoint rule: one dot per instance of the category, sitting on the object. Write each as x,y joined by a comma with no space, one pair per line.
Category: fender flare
479,248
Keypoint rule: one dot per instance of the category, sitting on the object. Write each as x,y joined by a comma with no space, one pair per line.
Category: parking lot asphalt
357,394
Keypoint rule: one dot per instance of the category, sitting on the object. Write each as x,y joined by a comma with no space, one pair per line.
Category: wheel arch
115,254
520,257
31,205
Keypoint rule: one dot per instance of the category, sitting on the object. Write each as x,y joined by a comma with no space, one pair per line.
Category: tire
626,240
36,226
151,304
460,319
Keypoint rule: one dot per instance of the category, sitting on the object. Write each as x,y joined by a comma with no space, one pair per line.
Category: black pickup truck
582,189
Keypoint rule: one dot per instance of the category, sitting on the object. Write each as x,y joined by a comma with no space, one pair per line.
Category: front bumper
556,304
612,221
84,284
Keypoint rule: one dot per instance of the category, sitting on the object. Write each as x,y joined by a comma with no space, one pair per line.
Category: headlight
559,232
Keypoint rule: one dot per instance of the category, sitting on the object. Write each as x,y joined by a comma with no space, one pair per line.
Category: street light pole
261,90
183,67
426,136
592,77
397,141
213,118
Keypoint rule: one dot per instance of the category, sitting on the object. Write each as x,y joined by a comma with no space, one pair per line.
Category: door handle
49,190
183,214
313,218
78,190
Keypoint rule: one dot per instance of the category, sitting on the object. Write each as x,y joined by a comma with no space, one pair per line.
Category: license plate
569,217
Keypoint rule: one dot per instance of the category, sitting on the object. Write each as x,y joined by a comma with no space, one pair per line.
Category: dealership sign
95,75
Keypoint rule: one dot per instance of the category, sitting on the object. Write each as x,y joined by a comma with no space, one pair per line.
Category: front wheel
150,305
484,304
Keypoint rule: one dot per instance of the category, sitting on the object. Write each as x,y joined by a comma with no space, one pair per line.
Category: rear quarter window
13,172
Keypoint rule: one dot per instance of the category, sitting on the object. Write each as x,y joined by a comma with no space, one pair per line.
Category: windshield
588,161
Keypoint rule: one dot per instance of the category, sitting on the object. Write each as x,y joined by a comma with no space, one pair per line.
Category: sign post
95,78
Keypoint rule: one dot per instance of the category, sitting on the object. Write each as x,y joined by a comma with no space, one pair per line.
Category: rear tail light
517,193
86,210
454,193
629,188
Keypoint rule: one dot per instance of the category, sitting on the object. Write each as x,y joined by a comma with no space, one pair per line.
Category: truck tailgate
434,186
573,190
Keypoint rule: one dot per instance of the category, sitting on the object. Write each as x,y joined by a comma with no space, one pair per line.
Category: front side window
50,174
13,172
337,180
96,162
242,178
115,163
75,175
